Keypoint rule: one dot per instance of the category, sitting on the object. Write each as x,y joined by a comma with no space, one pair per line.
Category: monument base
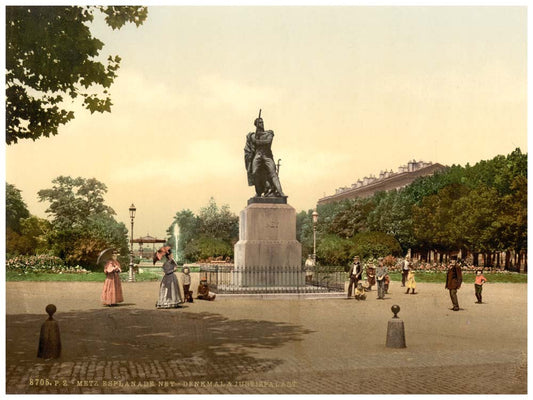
267,253
268,200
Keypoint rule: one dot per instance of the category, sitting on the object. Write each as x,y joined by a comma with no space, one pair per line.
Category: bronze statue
259,162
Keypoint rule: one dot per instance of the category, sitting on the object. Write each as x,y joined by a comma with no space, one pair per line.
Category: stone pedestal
395,334
267,253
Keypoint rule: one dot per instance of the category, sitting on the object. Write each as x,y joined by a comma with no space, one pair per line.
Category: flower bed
42,264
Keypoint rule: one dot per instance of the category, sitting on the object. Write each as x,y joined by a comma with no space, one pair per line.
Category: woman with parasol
169,293
112,292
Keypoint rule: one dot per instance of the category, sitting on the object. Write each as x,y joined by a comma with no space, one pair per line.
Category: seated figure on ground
203,291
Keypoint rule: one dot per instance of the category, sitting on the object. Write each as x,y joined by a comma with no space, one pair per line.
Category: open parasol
104,255
160,253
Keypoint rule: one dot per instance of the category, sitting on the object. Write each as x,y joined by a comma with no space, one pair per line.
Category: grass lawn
440,277
431,277
90,277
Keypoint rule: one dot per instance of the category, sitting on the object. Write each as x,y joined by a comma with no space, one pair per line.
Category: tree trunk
507,256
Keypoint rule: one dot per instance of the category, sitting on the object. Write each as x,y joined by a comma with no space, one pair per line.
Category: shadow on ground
142,336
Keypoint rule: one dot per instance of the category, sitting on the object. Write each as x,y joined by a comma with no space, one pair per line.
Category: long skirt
112,292
169,293
411,284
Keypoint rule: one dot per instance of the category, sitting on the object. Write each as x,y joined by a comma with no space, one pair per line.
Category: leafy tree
351,216
101,231
16,243
475,220
36,230
374,244
51,55
512,219
333,250
82,224
16,208
479,208
219,223
434,222
203,247
73,200
304,231
212,233
393,215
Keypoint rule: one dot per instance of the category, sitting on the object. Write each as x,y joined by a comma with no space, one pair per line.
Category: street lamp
315,220
132,216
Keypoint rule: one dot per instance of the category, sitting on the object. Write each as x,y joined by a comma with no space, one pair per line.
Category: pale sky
348,91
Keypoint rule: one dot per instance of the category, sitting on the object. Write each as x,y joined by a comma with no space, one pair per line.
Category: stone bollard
395,330
49,340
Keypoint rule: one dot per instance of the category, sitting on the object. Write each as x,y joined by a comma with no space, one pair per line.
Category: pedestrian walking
387,283
112,291
355,275
381,272
454,278
169,292
478,285
411,283
405,269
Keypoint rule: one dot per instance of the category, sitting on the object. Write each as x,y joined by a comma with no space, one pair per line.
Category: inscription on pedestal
273,224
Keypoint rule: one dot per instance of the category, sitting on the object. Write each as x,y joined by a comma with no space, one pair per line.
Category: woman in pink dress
112,292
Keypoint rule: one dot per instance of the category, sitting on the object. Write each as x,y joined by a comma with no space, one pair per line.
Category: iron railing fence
270,279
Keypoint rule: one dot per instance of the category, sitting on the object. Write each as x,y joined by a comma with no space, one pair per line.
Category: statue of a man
259,161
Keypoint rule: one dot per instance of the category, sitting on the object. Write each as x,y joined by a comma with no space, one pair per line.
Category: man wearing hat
454,278
355,274
259,161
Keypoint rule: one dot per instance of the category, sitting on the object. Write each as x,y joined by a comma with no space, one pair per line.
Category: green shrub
333,250
374,244
205,247
40,264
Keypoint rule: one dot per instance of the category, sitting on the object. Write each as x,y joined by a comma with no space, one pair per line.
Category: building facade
387,180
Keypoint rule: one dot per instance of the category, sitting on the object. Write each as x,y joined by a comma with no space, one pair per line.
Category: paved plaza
268,344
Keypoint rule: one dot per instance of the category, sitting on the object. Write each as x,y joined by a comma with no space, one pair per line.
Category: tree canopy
16,208
73,200
51,55
480,208
83,225
211,233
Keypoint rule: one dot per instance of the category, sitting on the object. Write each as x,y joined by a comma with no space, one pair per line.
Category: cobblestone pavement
245,345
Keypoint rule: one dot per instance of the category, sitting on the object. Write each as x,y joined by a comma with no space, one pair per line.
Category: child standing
478,285
187,293
411,283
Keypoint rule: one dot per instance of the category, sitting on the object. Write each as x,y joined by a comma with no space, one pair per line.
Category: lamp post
132,216
315,220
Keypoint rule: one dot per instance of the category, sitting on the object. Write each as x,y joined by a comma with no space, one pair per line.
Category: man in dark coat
356,270
454,278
